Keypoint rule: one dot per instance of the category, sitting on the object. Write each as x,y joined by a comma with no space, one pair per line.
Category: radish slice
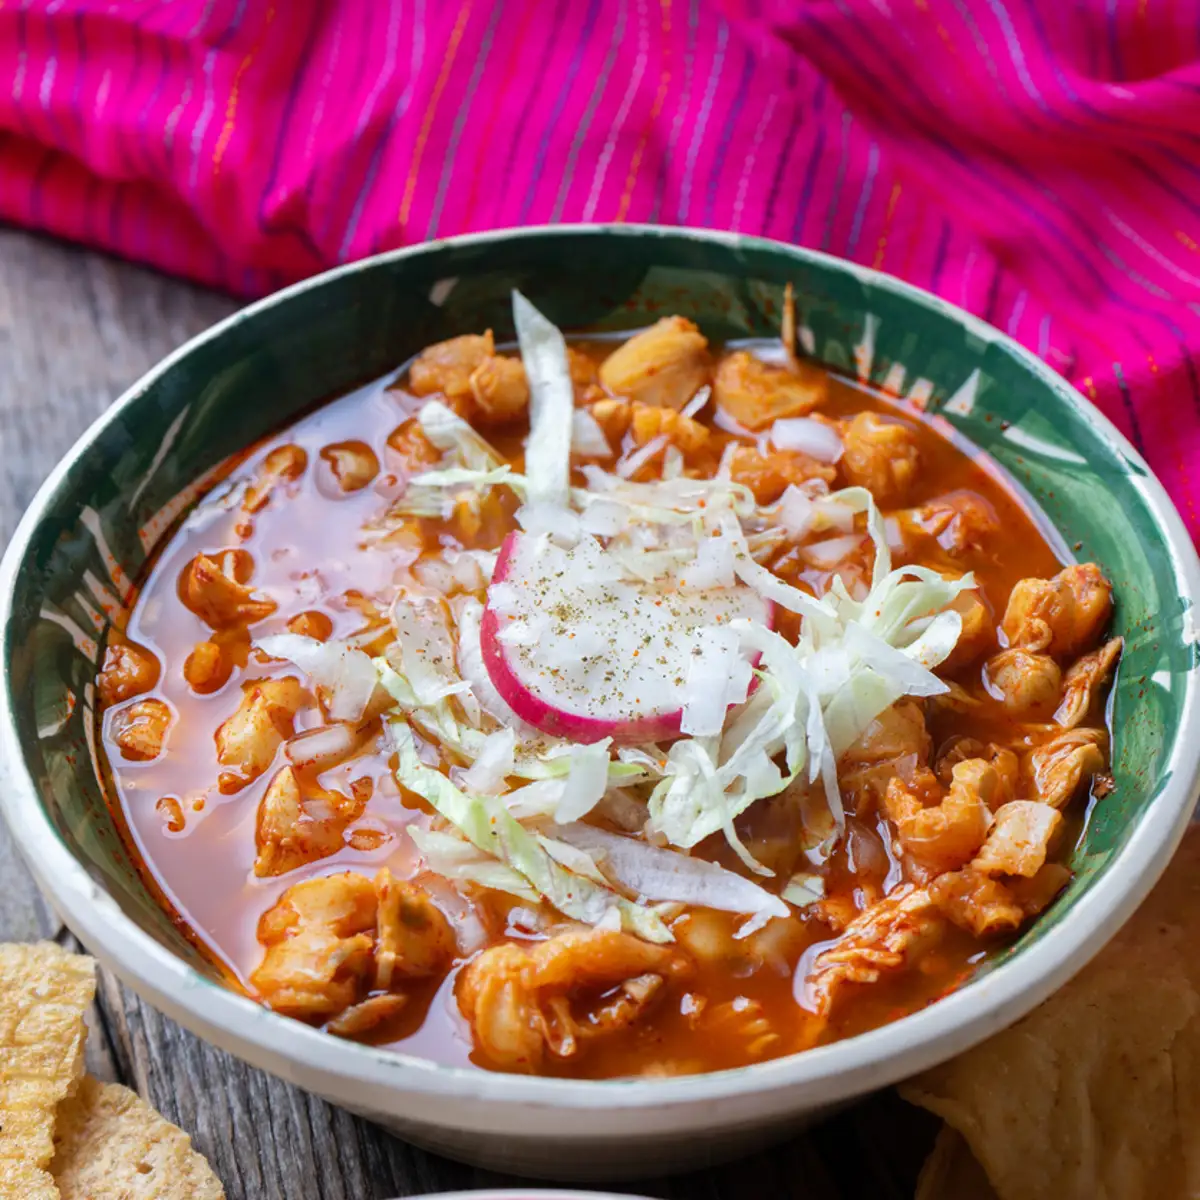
579,650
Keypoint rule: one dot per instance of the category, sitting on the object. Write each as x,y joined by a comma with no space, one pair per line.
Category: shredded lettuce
654,874
458,441
346,673
450,856
488,825
551,405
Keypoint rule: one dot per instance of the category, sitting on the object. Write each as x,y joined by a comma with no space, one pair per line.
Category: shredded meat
141,729
769,474
756,394
983,905
1061,766
1059,616
1083,682
1003,761
1019,839
663,366
298,825
524,1002
248,740
218,592
319,942
886,938
943,833
960,522
414,940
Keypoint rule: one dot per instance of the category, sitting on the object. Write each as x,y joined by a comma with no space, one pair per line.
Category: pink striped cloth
1037,163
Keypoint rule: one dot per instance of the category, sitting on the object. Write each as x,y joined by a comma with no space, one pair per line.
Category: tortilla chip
111,1145
44,992
1096,1094
952,1172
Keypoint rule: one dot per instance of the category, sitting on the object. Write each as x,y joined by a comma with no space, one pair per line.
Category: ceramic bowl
92,525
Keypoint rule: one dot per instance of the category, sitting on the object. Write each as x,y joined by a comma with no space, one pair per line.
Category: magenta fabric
1037,163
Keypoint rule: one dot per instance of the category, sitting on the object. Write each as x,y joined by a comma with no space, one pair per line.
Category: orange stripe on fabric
881,249
1090,387
664,83
231,106
942,31
478,174
410,184
1187,241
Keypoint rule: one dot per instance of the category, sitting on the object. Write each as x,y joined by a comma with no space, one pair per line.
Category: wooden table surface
75,330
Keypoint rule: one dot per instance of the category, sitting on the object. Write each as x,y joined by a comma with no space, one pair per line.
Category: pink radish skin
541,713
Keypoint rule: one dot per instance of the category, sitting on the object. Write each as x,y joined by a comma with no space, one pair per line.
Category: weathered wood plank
75,330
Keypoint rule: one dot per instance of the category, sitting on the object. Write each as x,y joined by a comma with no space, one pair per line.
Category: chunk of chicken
1064,764
1028,685
524,1001
414,939
283,465
446,368
248,740
976,902
1084,681
500,390
756,394
367,1015
415,452
1059,616
648,423
1019,839
960,522
297,826
619,417
141,729
943,833
882,455
768,474
663,366
983,905
318,943
1002,760
352,464
884,939
217,590
129,670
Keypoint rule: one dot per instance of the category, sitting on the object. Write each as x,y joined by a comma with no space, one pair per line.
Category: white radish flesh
581,651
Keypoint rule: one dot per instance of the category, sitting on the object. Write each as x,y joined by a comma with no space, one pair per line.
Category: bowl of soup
578,695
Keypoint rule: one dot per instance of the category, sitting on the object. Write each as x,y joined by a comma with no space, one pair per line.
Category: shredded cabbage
450,856
654,874
488,825
551,405
346,673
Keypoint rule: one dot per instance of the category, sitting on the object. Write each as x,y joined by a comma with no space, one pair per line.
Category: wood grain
75,330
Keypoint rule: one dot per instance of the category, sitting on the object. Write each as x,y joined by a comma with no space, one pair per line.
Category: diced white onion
588,439
628,467
347,674
809,436
832,551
